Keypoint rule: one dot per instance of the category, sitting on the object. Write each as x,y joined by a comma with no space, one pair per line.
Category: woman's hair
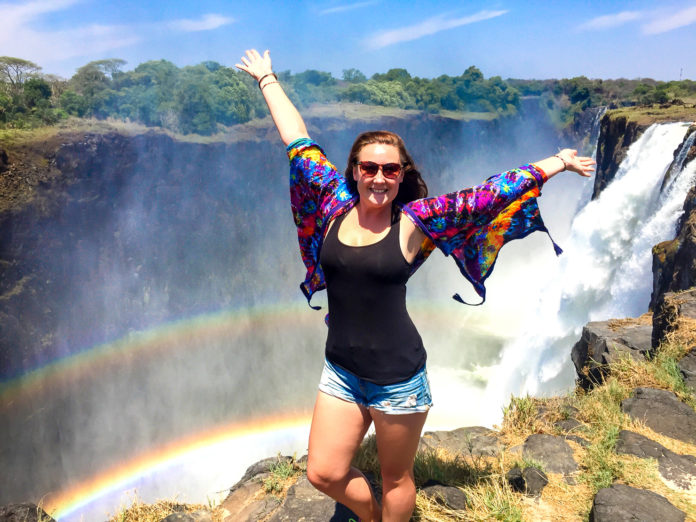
412,187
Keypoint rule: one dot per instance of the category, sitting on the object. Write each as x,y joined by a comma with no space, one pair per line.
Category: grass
138,511
282,474
646,115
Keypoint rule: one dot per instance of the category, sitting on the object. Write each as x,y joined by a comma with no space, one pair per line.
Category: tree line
202,98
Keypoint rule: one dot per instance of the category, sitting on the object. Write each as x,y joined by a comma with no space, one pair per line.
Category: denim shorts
409,396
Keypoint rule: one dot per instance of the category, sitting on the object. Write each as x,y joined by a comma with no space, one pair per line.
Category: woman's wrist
565,164
264,77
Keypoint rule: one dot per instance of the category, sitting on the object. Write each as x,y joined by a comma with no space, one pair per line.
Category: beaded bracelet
268,83
265,76
565,165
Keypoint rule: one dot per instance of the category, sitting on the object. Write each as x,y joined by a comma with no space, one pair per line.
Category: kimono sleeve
473,224
316,189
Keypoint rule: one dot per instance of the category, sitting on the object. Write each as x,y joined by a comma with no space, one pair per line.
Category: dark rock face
474,440
305,503
23,513
4,160
449,496
529,481
601,344
663,412
623,503
669,309
674,262
553,452
680,469
687,367
616,136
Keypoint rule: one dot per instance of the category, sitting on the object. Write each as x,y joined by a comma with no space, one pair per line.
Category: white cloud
19,36
206,23
673,21
427,27
609,21
348,7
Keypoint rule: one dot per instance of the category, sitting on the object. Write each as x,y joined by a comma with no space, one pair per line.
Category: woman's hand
580,164
288,121
567,159
255,65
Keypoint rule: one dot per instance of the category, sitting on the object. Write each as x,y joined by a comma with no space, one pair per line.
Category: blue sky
510,38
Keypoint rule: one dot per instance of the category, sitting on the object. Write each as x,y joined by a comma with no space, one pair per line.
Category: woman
362,234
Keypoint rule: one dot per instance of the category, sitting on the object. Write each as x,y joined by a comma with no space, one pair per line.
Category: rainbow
144,345
151,342
118,478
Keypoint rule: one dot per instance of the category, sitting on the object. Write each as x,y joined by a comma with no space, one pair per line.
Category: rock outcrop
662,412
620,502
617,135
604,342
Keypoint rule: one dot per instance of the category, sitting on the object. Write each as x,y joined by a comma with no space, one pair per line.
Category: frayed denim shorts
409,396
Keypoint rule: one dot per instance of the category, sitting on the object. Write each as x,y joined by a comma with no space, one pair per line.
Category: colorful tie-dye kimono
471,225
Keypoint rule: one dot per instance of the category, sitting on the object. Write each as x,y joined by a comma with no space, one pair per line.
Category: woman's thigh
338,428
397,441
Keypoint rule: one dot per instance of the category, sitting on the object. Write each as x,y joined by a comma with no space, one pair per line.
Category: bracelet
268,83
565,165
266,75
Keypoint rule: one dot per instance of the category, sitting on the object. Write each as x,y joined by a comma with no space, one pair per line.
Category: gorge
149,285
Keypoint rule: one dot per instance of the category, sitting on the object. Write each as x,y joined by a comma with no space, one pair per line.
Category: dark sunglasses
370,169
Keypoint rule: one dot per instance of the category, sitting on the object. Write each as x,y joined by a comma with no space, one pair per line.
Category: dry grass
656,113
141,512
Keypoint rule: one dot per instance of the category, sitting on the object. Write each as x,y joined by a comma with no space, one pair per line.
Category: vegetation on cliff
202,98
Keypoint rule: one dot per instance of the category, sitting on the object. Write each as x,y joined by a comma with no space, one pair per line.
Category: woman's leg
397,443
338,428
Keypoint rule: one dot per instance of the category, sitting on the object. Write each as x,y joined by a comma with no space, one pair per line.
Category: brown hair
412,187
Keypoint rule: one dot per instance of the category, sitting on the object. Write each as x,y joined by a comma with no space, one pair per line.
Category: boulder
305,503
241,504
662,412
603,342
568,425
25,512
473,441
623,503
257,468
687,368
672,307
679,469
553,452
449,496
529,480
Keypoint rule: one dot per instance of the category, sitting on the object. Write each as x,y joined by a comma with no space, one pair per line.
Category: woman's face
378,191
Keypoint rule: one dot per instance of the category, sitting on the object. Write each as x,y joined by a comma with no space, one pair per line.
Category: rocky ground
622,447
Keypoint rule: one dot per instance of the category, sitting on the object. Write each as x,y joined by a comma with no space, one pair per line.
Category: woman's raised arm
287,119
567,159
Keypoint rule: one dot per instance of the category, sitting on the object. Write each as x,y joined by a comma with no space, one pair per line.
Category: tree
37,92
15,71
353,76
393,75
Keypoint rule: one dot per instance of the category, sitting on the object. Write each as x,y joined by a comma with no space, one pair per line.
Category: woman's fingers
254,64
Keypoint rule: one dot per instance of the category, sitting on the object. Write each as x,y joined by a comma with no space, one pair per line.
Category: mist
171,272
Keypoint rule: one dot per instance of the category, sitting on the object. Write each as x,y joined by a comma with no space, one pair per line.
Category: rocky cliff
63,195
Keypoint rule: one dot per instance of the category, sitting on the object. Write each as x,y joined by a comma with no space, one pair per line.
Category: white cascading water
605,271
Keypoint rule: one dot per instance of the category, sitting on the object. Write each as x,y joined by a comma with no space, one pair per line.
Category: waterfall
678,163
605,271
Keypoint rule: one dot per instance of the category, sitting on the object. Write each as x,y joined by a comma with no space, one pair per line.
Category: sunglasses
370,169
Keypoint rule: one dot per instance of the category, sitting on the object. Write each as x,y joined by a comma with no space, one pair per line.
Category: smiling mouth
379,191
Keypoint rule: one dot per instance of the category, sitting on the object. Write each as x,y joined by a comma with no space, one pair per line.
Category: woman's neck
375,219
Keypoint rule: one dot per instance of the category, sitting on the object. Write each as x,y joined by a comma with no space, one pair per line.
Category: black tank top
370,332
